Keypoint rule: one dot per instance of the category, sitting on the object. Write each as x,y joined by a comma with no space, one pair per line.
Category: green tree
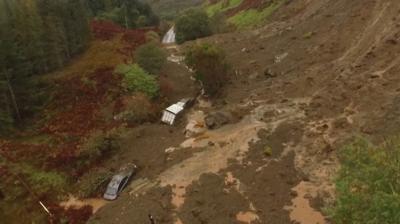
209,63
127,13
135,79
36,36
76,34
151,57
192,24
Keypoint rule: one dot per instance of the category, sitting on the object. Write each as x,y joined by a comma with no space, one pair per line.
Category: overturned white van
173,112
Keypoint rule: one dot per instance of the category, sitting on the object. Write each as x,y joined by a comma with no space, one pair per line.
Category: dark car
119,182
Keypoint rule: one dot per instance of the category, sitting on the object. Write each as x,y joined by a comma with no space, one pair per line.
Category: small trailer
173,112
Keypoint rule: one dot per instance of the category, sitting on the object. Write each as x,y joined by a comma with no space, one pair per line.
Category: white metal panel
168,117
175,109
181,104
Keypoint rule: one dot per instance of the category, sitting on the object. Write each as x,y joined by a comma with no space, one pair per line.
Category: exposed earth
319,73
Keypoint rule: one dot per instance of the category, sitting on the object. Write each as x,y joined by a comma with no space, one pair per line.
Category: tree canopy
36,36
210,64
192,24
151,57
127,13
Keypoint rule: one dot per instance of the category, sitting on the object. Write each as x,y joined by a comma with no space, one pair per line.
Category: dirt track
319,73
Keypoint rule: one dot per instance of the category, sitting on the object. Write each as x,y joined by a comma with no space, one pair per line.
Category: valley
306,78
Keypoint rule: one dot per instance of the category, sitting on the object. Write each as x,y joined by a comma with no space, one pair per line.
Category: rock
253,62
293,194
217,120
170,150
392,41
279,58
269,74
341,123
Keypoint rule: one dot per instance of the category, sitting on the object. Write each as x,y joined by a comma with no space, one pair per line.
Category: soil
319,73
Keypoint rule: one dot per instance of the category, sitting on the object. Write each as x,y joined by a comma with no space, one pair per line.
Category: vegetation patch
209,63
97,146
151,57
137,109
368,185
135,79
253,17
93,183
42,182
222,6
130,14
192,24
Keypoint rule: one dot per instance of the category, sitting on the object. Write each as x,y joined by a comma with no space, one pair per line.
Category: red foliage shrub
80,101
79,216
72,215
105,30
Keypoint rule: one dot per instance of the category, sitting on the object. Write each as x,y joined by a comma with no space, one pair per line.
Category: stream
169,37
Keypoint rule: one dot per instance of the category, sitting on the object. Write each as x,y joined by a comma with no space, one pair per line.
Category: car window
122,183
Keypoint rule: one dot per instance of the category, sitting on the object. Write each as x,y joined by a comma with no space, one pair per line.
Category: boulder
217,119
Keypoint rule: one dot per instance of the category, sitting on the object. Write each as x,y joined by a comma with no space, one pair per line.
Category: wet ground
318,74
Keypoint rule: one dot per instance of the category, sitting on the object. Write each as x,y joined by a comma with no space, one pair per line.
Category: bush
152,36
93,183
137,109
219,24
41,181
368,185
209,63
151,57
192,24
97,146
267,151
135,79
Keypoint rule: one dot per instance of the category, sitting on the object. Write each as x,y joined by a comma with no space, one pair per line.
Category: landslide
341,57
318,73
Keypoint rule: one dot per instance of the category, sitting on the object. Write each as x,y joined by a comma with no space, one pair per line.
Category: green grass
253,17
218,7
368,184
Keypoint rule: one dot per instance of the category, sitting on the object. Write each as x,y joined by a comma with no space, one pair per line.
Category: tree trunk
13,99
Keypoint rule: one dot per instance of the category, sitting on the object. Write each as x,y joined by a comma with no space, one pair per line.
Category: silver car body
119,182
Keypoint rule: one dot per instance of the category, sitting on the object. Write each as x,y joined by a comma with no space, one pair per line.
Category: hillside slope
317,74
169,9
244,14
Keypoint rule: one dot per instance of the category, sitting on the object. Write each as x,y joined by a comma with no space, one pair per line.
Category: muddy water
195,124
246,217
229,142
301,210
221,145
73,202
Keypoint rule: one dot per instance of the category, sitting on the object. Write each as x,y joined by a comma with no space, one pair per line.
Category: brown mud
318,74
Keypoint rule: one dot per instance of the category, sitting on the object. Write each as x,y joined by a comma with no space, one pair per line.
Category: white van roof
175,108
